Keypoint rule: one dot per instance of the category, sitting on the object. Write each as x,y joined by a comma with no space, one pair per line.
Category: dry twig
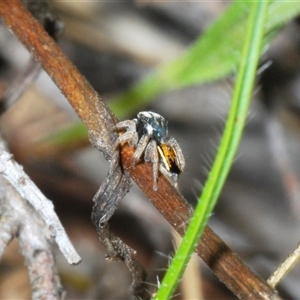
18,218
15,175
284,268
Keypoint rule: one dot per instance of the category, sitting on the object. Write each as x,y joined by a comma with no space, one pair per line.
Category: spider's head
153,125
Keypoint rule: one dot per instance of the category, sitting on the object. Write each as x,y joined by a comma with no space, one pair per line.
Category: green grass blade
227,150
214,55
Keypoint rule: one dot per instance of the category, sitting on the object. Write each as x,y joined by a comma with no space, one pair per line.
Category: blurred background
114,45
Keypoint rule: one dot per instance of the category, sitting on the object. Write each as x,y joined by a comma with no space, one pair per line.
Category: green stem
227,150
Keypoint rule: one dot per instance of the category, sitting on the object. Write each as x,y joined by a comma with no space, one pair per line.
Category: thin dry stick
19,218
15,175
285,267
19,85
86,102
25,79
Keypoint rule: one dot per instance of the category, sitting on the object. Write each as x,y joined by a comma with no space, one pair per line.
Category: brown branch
86,102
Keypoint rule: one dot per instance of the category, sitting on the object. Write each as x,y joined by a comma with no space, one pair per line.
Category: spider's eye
144,119
144,116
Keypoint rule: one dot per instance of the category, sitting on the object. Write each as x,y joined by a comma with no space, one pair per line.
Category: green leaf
213,56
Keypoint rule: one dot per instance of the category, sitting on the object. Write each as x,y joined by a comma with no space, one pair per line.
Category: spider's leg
179,155
130,137
129,125
171,177
140,148
151,154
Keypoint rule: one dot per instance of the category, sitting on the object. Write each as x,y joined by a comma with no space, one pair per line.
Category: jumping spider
148,133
